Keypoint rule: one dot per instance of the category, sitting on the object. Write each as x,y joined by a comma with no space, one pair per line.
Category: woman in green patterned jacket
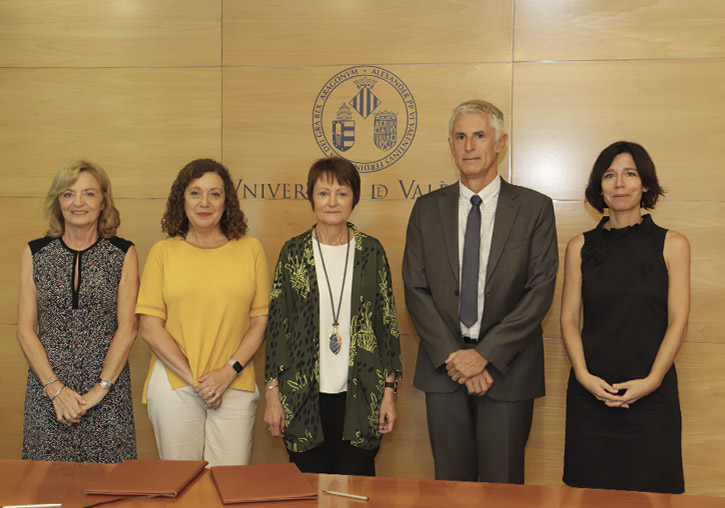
333,348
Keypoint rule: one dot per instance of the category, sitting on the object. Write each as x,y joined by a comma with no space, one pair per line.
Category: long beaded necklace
335,339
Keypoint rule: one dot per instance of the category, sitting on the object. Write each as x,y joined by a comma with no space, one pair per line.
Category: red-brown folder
261,482
165,478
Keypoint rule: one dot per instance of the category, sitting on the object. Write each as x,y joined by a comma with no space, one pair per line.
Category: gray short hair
495,116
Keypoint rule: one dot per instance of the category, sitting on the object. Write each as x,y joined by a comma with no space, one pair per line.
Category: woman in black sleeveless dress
632,278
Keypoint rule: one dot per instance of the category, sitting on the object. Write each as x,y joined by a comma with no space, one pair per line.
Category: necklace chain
335,339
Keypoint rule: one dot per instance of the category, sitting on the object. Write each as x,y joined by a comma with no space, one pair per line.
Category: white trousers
186,430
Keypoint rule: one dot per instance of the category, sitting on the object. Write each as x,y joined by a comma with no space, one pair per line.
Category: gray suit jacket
520,280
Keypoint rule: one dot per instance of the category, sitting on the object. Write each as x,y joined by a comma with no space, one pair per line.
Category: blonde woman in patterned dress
76,325
333,349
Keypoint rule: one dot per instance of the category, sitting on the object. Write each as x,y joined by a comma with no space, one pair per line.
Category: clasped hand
69,406
467,366
634,390
213,384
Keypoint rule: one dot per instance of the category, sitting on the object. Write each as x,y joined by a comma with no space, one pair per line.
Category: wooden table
24,482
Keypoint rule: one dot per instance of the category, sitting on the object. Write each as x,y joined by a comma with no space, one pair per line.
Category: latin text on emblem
367,115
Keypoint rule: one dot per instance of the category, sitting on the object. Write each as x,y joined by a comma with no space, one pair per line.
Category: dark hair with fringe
336,168
645,168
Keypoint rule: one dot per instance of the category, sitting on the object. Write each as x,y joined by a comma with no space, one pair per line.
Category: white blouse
334,367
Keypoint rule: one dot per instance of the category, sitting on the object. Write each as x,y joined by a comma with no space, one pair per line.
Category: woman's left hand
94,396
213,384
387,412
634,390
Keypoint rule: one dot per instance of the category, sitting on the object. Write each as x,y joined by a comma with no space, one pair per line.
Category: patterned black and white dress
76,328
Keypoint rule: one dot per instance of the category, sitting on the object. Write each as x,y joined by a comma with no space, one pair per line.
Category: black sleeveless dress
624,295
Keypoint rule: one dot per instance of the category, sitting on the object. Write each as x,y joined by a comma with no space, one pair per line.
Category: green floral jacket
293,342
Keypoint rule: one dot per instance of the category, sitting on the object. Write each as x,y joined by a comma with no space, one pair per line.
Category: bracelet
56,393
50,382
271,387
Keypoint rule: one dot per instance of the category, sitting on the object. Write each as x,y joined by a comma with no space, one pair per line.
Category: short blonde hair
109,219
495,116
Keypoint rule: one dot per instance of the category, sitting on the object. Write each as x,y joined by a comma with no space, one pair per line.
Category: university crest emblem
367,115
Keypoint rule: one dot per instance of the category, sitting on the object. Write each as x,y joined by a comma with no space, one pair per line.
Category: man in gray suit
479,270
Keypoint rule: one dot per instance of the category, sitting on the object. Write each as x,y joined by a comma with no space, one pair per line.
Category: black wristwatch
393,385
236,366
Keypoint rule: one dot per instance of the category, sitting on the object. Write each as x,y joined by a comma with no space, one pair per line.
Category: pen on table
344,494
48,505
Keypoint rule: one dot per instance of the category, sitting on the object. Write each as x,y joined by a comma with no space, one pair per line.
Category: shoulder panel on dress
37,244
120,243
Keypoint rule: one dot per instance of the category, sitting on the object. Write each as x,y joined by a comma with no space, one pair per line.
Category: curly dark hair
645,167
174,222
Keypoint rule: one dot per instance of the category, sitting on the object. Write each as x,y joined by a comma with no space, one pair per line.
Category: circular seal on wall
367,115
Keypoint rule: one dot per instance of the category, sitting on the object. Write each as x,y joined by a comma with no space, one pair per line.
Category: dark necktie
469,270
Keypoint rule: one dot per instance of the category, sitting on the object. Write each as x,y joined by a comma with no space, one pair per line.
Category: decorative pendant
335,340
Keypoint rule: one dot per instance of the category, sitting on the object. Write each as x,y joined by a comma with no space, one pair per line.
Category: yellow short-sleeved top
206,297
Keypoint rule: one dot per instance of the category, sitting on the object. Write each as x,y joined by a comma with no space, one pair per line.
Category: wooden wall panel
27,223
275,222
140,224
701,383
114,33
571,219
566,113
264,154
324,32
697,221
603,29
142,125
139,360
545,448
13,377
405,453
144,87
267,125
702,223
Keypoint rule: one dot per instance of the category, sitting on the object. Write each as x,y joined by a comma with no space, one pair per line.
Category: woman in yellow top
203,307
